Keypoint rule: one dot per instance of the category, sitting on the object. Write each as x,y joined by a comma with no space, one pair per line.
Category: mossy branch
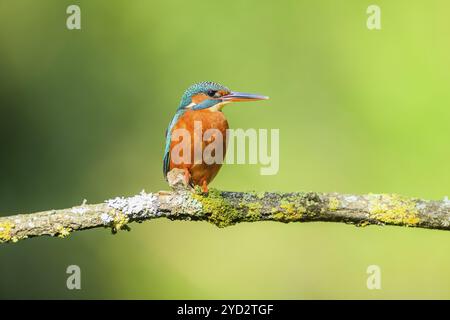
228,208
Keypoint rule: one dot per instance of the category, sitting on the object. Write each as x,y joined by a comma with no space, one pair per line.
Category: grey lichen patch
393,209
446,202
106,218
183,203
143,205
350,199
421,205
80,210
248,196
138,207
219,210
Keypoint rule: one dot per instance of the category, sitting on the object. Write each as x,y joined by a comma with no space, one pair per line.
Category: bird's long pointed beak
241,96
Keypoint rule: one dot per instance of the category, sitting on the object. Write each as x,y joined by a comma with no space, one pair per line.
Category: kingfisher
201,106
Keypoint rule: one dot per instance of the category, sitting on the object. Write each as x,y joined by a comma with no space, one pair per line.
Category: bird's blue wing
166,160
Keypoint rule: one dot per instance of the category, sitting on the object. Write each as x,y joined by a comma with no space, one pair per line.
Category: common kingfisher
202,102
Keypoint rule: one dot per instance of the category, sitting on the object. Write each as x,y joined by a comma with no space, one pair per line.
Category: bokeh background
83,115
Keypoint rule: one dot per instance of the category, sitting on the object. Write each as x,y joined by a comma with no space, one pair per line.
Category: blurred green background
83,115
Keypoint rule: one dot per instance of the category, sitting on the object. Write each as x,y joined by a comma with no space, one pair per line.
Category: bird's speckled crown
198,88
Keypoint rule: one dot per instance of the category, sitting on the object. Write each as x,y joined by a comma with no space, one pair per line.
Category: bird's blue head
207,94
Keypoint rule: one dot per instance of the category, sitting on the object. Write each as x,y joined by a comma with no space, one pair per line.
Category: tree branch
228,208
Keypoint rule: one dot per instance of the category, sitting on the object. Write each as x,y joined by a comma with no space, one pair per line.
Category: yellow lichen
198,190
119,222
333,204
5,231
288,207
222,213
278,216
290,211
253,210
260,195
63,232
363,224
393,209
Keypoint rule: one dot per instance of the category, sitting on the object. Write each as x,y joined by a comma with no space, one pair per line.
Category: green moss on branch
224,209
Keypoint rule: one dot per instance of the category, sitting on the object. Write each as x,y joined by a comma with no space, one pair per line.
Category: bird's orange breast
200,172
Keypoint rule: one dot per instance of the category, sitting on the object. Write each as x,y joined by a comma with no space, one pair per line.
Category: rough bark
228,208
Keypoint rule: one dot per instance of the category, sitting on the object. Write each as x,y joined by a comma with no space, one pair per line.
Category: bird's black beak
241,96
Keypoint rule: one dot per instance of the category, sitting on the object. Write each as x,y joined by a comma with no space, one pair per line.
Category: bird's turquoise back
166,161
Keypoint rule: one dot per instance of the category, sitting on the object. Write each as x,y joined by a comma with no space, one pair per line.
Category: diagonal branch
228,208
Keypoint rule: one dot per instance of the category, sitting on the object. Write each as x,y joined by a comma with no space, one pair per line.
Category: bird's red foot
204,187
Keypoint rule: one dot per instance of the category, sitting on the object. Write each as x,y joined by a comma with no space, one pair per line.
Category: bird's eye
212,93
